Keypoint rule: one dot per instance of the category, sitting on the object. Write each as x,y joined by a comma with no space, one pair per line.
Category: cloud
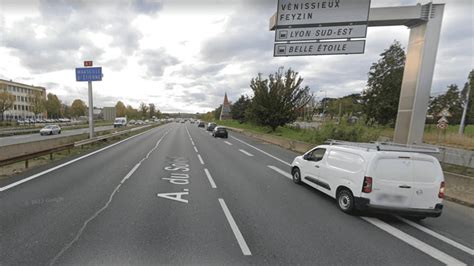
156,61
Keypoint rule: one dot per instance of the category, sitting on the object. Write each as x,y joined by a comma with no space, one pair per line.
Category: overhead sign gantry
302,24
424,22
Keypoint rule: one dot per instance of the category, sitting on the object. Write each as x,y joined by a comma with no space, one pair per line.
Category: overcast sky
183,55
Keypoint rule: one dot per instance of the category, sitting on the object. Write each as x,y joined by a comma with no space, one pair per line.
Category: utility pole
91,112
464,112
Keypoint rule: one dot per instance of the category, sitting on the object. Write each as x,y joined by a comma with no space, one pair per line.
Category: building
225,111
23,105
109,113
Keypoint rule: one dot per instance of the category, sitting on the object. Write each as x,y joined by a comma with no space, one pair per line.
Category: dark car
211,126
202,124
220,132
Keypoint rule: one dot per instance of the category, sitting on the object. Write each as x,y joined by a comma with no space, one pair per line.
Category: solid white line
238,235
433,252
439,236
195,149
200,159
228,143
264,152
211,180
245,152
280,171
65,164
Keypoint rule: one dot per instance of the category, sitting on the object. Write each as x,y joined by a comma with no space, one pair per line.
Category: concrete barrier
456,156
21,149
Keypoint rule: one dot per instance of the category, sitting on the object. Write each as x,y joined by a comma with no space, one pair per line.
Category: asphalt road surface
36,137
176,195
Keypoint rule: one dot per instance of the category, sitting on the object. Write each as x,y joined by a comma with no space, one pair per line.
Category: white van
120,122
379,177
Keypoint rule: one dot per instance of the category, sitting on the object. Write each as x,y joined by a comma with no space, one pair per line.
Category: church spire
225,111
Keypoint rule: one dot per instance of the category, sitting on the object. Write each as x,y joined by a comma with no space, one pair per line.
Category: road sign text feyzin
305,7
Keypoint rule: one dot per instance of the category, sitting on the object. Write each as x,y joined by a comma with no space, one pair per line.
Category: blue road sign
89,74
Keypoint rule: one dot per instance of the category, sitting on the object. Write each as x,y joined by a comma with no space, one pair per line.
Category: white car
120,122
378,177
50,130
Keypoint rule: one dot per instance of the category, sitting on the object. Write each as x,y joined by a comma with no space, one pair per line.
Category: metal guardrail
27,157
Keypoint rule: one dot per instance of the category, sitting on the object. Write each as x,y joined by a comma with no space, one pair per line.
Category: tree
450,100
382,94
120,109
239,108
37,103
78,108
152,110
143,109
217,112
277,99
53,106
65,110
468,86
132,113
6,102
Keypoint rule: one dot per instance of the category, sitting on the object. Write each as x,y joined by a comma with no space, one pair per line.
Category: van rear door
392,181
427,178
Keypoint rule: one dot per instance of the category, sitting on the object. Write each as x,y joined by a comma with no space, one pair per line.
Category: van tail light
441,190
367,187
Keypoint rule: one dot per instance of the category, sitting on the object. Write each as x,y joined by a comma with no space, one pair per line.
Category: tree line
144,111
280,99
55,108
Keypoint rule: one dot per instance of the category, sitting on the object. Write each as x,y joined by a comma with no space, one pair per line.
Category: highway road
176,195
4,141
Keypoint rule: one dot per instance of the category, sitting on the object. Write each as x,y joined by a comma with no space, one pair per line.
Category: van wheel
296,175
345,201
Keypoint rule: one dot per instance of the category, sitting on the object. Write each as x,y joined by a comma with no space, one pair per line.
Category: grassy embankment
363,133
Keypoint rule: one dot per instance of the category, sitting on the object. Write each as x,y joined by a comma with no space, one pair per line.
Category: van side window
316,155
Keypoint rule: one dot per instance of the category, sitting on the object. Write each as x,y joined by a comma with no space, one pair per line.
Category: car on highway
201,124
50,130
211,126
120,122
374,177
220,132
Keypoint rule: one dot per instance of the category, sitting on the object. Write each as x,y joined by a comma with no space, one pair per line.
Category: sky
183,55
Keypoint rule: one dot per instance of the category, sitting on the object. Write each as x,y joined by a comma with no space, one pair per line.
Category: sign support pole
91,112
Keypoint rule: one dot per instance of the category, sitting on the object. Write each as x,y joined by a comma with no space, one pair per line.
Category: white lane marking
280,171
66,163
238,235
192,142
228,143
438,236
195,149
200,159
211,180
264,152
245,152
433,252
130,173
81,230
